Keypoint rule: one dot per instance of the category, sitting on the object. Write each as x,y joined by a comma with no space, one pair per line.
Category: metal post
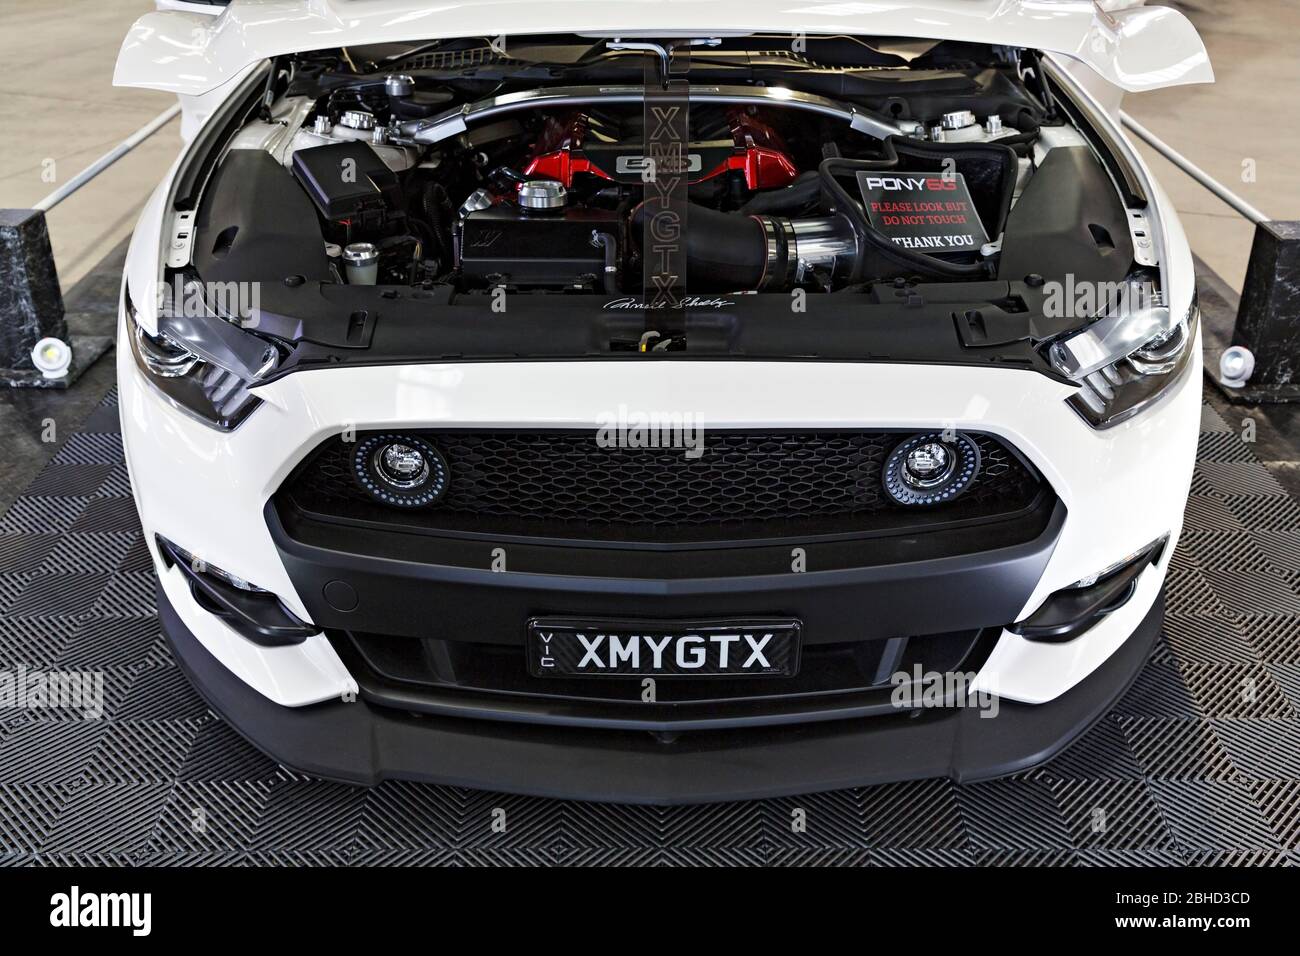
108,159
31,303
1191,169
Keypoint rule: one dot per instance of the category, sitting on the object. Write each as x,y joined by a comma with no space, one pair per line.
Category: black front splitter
358,743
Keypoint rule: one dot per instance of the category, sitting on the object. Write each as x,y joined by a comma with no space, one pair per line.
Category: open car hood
1138,48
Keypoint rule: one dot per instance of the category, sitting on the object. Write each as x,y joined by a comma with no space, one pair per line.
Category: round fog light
930,469
928,464
400,470
401,465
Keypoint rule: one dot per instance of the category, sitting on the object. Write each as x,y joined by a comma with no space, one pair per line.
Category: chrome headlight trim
200,389
1113,393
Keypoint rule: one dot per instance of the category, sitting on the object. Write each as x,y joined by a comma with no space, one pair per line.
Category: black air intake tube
724,251
730,251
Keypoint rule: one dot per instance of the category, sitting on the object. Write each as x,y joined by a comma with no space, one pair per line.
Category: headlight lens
163,357
199,371
1123,361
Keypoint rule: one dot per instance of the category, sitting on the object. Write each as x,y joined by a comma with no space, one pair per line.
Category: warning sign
922,212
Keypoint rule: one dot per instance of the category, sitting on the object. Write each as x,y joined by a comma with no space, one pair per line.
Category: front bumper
213,493
354,742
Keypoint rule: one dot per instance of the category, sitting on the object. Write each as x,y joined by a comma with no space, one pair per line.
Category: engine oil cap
358,119
958,119
542,195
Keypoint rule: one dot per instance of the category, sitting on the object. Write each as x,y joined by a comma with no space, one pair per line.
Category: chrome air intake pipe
827,244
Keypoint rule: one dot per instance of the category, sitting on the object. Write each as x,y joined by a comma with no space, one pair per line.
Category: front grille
744,485
491,681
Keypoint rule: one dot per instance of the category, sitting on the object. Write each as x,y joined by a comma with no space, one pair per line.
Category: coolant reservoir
361,263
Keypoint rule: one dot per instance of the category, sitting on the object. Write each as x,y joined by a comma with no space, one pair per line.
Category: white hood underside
1140,48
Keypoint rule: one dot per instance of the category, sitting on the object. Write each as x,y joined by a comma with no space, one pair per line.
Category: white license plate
756,647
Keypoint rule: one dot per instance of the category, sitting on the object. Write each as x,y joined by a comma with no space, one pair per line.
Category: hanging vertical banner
664,173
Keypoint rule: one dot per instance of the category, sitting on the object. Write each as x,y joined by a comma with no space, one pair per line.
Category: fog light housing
931,469
400,470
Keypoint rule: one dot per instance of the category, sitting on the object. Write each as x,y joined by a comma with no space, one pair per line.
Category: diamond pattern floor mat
1199,763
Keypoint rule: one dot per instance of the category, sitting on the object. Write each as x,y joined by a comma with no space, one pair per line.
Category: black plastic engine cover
254,224
345,179
506,244
1069,221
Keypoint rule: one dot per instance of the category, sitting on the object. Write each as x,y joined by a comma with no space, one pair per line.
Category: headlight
203,364
1124,360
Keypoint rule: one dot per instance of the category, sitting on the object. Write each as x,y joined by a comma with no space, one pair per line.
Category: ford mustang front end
656,415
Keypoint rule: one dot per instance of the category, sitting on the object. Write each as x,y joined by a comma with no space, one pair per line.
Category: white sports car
660,401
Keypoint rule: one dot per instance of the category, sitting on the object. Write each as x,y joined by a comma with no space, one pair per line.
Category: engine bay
937,177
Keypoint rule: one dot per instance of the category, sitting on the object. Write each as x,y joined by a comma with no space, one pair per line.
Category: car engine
418,180
383,198
552,198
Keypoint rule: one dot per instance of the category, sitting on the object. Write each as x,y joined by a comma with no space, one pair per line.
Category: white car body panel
292,676
1016,669
1124,487
1137,48
189,6
197,107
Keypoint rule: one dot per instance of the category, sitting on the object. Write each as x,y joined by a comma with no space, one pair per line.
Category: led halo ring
369,460
959,470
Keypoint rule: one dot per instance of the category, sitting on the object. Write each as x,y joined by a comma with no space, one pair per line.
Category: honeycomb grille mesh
744,484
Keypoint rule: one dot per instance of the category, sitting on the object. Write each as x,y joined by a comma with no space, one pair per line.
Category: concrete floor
64,113
1248,114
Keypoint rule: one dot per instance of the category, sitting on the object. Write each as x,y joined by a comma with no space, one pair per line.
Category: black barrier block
31,305
1268,321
